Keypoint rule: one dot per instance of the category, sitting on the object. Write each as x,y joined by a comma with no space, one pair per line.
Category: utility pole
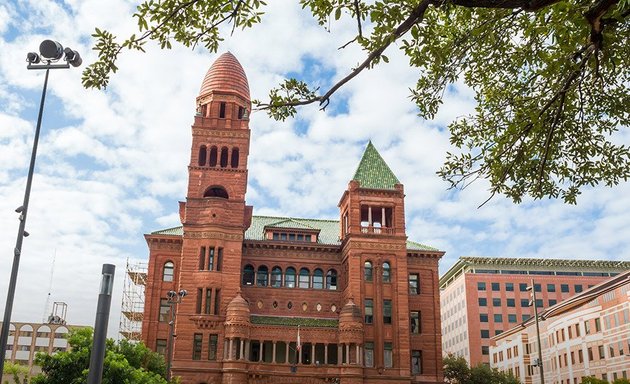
540,360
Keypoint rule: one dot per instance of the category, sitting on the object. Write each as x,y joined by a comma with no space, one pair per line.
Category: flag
299,345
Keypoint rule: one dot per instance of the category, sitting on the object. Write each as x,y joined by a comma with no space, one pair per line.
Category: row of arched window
290,278
210,157
368,272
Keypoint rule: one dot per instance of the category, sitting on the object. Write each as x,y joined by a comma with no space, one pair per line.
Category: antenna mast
50,283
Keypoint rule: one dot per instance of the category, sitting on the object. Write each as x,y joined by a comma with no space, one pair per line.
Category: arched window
305,278
331,279
276,277
224,157
289,278
386,272
318,279
216,191
234,163
262,276
203,153
248,275
167,273
367,271
213,156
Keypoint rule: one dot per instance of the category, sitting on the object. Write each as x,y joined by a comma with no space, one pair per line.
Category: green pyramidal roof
373,172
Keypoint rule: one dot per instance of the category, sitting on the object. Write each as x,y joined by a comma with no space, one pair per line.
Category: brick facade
255,283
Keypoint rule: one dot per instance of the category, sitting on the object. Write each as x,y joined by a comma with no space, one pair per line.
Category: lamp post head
51,50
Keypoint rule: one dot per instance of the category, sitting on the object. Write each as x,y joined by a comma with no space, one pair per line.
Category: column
260,355
231,351
286,352
226,351
325,354
242,346
339,354
273,354
383,221
313,353
369,216
247,348
348,353
357,361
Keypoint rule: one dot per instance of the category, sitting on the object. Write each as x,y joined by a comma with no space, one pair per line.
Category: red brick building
288,300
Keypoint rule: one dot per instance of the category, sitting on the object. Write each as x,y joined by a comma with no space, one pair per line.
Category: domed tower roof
238,310
226,75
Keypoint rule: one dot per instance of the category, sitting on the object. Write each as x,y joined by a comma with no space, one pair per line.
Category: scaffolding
132,308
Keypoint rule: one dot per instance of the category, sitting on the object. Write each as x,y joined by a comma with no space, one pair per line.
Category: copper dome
226,75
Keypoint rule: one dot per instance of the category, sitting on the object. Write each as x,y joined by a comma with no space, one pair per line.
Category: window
369,311
203,153
485,350
165,311
207,308
197,340
564,288
212,347
512,318
416,362
318,279
199,300
367,271
525,317
551,287
386,272
305,278
498,318
160,346
483,302
522,287
537,287
587,327
262,276
481,286
210,258
388,356
578,288
289,278
248,275
414,320
483,317
387,311
369,354
222,110
167,274
331,280
276,277
509,287
234,161
511,303
524,303
598,325
414,284
217,301
600,349
202,258
485,334
216,191
213,156
241,112
224,157
496,302
552,302
496,287
219,262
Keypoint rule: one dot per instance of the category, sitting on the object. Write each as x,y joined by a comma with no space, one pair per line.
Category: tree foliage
16,371
124,363
456,371
550,77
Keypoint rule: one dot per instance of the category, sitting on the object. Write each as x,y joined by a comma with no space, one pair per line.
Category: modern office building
587,334
482,297
283,299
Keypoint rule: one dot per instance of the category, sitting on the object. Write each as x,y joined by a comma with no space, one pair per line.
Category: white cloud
113,164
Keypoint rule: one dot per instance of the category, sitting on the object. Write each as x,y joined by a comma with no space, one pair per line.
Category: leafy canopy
550,77
125,363
456,371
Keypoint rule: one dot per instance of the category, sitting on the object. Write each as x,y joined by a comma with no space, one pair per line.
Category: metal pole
540,360
23,210
95,374
171,339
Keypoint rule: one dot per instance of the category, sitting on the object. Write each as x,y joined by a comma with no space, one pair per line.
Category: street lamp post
174,298
50,52
540,361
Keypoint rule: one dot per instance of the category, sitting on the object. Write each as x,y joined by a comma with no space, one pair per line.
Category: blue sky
112,164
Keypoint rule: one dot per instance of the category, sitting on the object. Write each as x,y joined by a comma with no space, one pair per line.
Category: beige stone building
587,334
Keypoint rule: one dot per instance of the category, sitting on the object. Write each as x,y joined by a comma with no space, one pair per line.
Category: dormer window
288,236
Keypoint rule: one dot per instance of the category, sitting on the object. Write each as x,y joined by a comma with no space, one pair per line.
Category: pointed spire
373,172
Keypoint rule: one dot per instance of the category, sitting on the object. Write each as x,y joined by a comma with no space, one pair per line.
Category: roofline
531,264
